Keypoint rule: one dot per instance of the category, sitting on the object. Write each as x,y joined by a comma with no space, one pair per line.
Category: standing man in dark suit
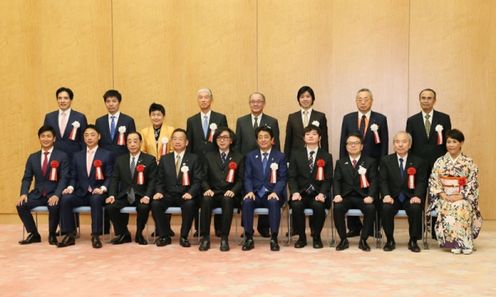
201,128
132,184
265,184
247,142
91,170
428,129
114,126
374,130
356,184
178,184
309,181
299,120
50,169
68,123
403,186
221,186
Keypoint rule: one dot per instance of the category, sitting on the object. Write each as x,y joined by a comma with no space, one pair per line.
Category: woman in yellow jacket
156,138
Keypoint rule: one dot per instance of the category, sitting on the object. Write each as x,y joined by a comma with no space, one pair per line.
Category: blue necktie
205,126
223,157
402,195
112,127
265,161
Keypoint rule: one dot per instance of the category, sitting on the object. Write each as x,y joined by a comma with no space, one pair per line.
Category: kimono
458,223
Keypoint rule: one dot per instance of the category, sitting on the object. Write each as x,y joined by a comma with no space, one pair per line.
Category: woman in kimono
454,195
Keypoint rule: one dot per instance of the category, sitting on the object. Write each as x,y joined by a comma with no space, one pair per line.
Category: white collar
206,114
67,111
357,158
430,115
116,115
268,152
309,110
367,114
93,150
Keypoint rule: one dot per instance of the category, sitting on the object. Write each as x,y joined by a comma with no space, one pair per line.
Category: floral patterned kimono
458,223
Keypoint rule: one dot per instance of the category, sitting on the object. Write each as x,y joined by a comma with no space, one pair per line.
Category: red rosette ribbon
72,135
320,169
185,179
140,179
232,169
273,173
411,177
163,151
98,170
120,139
53,171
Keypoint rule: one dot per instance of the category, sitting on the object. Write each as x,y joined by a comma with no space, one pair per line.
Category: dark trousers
318,218
68,202
24,212
274,207
207,205
350,202
188,209
414,213
120,220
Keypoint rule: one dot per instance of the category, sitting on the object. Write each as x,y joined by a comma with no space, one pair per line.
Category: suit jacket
370,148
150,146
121,181
391,182
198,143
170,184
347,179
246,140
424,147
106,142
216,173
80,180
255,178
294,131
42,182
63,143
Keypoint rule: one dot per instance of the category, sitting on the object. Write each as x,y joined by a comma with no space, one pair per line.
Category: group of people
109,165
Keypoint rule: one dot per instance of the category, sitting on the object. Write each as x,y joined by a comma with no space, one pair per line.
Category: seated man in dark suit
309,181
265,183
91,170
178,184
355,186
68,123
221,185
132,184
403,179
50,169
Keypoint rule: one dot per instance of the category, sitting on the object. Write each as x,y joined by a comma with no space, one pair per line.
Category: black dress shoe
204,245
413,246
224,245
300,243
140,239
52,239
184,242
163,241
389,246
249,244
264,233
123,238
274,245
317,243
32,238
363,245
352,233
67,241
343,244
96,242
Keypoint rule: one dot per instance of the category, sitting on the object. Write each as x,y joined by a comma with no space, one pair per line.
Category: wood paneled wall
163,51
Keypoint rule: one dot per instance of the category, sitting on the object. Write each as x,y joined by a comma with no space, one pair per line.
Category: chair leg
332,241
290,212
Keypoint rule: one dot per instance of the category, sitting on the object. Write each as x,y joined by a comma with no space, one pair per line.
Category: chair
308,212
433,214
36,211
86,210
218,211
175,210
402,214
132,210
263,211
354,212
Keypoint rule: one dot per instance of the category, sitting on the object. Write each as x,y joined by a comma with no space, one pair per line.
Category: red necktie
354,163
44,166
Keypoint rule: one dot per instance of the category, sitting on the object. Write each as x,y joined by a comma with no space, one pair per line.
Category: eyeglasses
257,102
353,143
223,138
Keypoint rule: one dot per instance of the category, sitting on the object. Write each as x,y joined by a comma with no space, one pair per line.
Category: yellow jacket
150,146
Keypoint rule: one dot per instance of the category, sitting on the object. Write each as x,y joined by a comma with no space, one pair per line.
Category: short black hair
356,134
430,90
455,134
302,91
135,132
112,93
180,130
93,127
264,128
64,89
312,128
46,128
222,129
156,107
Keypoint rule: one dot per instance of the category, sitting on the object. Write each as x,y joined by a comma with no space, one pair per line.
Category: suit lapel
68,127
37,161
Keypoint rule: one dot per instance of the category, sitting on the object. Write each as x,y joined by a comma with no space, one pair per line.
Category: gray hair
256,93
365,90
205,90
402,133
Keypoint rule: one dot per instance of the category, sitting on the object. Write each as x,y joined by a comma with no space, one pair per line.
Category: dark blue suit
106,141
81,183
43,189
255,179
63,143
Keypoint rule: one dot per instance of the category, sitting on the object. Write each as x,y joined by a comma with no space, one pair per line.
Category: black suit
347,184
198,143
294,131
394,185
170,186
121,184
246,140
215,180
106,140
302,179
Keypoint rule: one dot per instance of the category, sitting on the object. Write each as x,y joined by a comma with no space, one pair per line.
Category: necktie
310,160
362,124
63,123
89,160
427,125
305,118
402,195
44,166
265,161
205,126
133,166
354,162
223,158
255,124
178,164
112,127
